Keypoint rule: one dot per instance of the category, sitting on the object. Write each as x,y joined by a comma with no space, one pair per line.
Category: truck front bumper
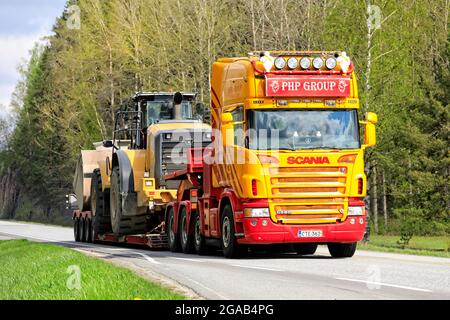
265,231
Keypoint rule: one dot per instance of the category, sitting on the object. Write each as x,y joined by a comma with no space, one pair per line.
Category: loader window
164,110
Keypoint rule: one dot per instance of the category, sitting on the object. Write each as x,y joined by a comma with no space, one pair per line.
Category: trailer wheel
82,229
88,233
199,240
230,247
174,241
187,240
101,219
342,250
76,229
305,248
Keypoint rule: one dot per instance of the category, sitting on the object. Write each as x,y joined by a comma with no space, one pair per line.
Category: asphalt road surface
368,275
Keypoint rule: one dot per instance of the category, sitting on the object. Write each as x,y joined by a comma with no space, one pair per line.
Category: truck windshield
164,110
303,129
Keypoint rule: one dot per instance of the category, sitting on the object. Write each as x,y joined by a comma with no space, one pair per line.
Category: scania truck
286,165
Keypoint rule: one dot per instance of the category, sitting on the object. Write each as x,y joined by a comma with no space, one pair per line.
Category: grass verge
427,246
36,271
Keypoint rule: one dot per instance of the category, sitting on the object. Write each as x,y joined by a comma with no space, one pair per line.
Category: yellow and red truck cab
287,162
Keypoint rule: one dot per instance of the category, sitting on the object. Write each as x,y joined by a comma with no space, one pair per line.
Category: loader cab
158,107
145,109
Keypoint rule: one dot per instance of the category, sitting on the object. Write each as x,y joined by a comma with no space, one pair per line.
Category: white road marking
385,284
255,267
146,257
187,259
206,288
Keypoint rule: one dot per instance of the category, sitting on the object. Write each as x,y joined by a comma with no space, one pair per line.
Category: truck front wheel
342,250
230,247
305,248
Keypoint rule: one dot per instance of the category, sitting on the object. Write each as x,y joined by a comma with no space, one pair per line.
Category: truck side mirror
370,138
108,144
227,129
226,118
372,117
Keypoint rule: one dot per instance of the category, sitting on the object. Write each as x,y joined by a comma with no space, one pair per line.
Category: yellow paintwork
106,182
236,84
142,161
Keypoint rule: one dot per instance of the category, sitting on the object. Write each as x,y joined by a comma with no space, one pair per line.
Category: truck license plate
310,233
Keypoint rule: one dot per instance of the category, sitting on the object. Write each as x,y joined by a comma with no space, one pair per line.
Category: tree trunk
368,61
374,198
9,194
385,213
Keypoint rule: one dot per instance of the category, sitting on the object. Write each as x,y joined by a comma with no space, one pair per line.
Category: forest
101,52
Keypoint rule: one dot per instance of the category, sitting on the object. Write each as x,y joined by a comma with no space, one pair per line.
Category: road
368,275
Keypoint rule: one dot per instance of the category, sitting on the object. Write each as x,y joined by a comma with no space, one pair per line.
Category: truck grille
305,195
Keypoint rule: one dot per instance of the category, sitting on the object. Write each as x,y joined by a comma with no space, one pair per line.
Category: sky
22,23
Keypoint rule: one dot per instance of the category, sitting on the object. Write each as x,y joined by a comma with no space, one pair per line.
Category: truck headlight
256,212
355,211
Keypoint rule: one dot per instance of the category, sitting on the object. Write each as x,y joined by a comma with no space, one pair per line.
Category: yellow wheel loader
120,186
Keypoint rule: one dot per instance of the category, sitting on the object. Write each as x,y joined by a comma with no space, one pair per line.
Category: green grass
429,246
36,271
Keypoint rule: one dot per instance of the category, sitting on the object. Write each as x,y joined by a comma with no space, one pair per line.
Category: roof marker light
292,63
305,63
280,63
318,63
331,63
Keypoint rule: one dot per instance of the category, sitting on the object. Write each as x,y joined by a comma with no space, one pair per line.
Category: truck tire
305,248
174,238
76,229
230,247
187,239
101,219
342,250
199,240
123,225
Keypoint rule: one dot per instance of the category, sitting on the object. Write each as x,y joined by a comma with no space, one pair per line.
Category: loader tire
101,219
121,224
